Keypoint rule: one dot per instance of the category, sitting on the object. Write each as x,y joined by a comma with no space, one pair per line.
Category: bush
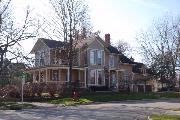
11,91
31,90
51,88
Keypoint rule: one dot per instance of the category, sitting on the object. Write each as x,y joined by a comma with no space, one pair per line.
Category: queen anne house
97,64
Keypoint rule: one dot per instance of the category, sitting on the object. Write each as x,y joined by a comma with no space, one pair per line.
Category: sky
122,19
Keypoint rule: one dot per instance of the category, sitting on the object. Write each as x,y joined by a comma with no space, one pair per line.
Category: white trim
79,53
46,75
117,79
59,74
85,78
39,76
68,74
34,76
109,79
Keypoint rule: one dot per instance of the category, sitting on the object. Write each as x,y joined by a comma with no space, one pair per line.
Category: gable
39,45
96,45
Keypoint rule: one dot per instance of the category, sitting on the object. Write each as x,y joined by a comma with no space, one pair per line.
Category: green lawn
177,109
70,101
113,96
15,106
165,117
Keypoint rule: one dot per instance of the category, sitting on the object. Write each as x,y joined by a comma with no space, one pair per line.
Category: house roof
49,43
137,67
57,44
53,43
125,59
113,49
110,48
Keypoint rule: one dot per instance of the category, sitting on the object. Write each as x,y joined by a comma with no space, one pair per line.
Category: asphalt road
129,110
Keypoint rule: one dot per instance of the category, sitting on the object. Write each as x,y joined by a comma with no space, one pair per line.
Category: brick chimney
107,39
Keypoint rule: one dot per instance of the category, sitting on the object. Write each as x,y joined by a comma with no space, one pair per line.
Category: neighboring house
142,78
97,64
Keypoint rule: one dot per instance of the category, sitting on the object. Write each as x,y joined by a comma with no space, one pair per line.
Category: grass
113,96
15,106
178,109
70,101
165,117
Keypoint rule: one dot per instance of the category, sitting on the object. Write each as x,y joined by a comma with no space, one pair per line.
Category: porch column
109,79
68,74
46,75
132,85
39,76
137,88
59,75
144,86
79,76
34,76
85,85
117,79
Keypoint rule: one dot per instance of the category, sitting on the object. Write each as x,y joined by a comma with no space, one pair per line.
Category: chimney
107,39
132,59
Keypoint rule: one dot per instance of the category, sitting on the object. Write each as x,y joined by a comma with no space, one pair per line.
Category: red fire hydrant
75,96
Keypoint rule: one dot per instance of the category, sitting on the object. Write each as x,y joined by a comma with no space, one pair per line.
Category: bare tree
123,47
12,34
73,20
159,48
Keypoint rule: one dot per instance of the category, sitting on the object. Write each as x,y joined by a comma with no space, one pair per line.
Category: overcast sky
121,18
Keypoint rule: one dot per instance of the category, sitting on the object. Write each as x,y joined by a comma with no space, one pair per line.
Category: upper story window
144,71
92,57
99,57
96,57
111,60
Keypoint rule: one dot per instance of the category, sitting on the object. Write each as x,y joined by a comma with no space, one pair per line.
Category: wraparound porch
59,74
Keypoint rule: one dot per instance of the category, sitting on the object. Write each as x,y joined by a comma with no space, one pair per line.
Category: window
96,57
113,80
111,60
92,76
99,57
96,77
92,57
55,75
99,77
126,78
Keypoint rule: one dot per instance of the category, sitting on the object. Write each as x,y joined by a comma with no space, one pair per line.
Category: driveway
129,110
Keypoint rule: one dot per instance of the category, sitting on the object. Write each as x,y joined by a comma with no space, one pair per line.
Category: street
127,110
